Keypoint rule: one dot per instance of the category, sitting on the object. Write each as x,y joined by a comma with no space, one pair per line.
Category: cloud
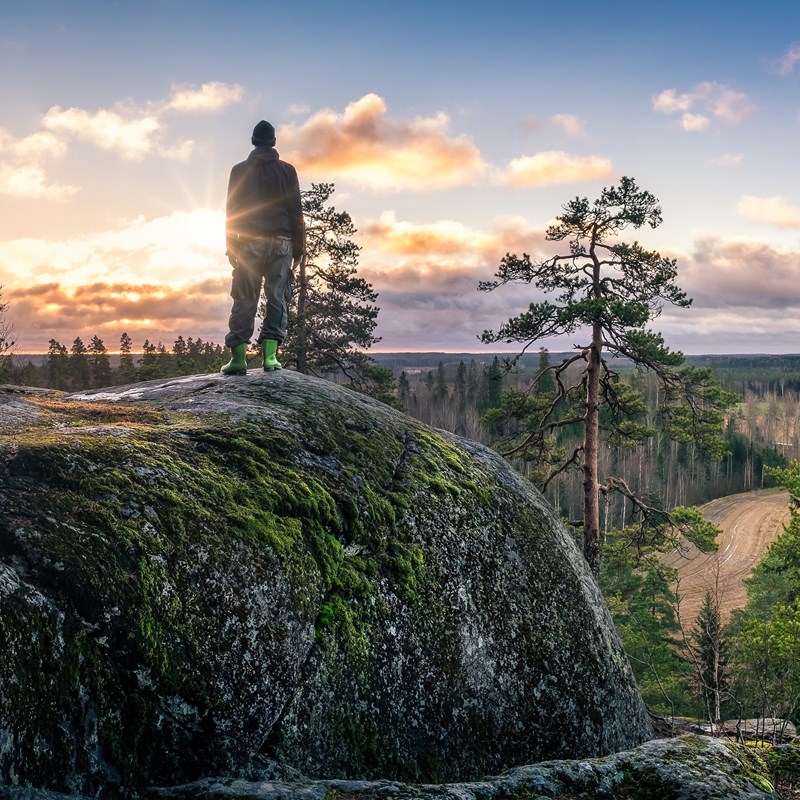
552,167
694,122
136,132
790,58
22,166
771,210
572,125
133,136
427,276
706,101
159,277
436,306
727,160
176,248
445,237
158,312
210,97
433,242
363,144
751,276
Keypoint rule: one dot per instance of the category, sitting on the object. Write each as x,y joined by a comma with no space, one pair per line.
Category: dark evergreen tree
126,372
99,364
57,365
712,657
149,367
79,372
332,314
493,382
184,362
440,385
545,382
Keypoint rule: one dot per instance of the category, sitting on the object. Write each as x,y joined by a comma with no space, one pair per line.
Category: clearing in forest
750,522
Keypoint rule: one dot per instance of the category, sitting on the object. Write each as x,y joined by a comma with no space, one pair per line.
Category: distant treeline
763,430
90,366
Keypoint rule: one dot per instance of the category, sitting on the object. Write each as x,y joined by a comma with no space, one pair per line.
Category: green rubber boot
238,363
270,348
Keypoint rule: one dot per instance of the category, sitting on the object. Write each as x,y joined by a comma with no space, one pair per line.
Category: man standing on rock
265,238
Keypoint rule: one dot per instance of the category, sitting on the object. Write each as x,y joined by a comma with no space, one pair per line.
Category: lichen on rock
212,576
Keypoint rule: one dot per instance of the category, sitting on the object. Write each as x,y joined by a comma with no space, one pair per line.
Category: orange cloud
182,246
364,145
571,124
771,210
446,237
443,239
152,311
553,167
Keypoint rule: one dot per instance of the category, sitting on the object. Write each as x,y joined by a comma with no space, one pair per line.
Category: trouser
266,260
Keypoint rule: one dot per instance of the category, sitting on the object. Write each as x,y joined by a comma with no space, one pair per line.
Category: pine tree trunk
591,500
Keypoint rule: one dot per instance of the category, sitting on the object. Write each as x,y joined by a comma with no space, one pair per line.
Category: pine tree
57,365
493,384
610,290
440,385
545,382
184,363
79,372
332,315
403,389
126,372
149,367
99,364
712,677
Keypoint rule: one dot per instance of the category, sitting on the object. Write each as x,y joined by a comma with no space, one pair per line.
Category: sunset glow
452,139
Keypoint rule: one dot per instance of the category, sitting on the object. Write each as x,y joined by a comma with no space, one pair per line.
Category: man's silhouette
265,237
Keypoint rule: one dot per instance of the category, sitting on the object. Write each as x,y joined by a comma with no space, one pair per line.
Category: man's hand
232,260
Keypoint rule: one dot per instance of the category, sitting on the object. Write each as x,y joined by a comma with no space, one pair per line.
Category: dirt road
749,522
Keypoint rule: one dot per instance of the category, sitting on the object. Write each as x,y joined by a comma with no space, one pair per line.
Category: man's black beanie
263,135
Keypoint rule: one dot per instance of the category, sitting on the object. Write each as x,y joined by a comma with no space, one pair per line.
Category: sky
454,133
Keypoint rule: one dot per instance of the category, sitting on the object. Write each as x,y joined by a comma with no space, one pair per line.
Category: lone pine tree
332,313
607,291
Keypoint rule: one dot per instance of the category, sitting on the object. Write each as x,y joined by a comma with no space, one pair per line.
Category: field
750,522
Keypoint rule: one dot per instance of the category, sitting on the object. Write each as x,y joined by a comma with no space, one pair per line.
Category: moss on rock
202,574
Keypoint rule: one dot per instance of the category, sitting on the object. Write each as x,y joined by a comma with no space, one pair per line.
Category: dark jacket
264,200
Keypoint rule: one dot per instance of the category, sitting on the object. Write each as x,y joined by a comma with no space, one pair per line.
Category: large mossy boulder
211,576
